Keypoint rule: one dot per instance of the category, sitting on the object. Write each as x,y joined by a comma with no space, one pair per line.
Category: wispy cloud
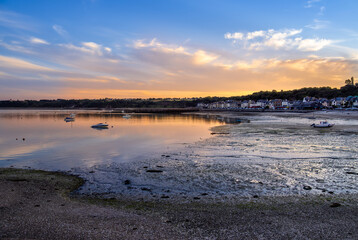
322,10
284,39
60,30
14,20
16,47
310,3
38,41
89,47
318,24
154,44
15,63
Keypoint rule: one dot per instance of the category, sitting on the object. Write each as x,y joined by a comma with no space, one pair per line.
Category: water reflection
52,143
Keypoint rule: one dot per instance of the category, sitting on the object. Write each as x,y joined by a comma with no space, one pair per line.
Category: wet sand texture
38,205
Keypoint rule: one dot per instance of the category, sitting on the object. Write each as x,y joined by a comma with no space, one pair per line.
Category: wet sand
42,205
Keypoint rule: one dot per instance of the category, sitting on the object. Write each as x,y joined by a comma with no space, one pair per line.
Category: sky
77,49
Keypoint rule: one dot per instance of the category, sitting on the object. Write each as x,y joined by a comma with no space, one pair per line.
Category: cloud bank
287,39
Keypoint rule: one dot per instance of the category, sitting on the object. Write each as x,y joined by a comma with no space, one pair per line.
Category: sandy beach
42,205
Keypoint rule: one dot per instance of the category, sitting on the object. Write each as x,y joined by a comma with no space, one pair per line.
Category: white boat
323,124
127,116
100,125
69,119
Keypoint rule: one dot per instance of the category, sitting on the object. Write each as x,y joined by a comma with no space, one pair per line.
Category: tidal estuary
151,156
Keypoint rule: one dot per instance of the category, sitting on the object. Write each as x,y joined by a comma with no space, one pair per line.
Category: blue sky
98,48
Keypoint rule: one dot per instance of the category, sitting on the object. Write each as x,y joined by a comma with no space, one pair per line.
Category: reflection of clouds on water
53,144
23,150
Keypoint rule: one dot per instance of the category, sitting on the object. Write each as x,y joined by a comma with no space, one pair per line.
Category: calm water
52,143
264,155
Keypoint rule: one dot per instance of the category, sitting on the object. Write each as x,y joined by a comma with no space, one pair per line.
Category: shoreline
38,204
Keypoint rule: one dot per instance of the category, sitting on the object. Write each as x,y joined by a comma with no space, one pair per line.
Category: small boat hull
100,125
326,126
323,124
69,119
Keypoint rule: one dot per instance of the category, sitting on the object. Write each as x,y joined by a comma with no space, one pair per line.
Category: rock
159,166
354,173
307,188
91,171
127,182
164,196
336,205
196,198
204,194
330,192
154,171
255,196
37,205
146,189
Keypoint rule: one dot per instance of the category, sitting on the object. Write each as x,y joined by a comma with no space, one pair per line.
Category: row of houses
306,103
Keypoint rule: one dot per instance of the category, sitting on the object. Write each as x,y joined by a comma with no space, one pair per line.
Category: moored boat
100,125
323,124
69,119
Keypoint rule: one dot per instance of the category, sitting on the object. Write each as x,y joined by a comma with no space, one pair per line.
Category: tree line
349,89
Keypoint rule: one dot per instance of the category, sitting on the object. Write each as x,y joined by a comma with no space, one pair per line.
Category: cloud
14,20
322,10
156,69
202,57
312,45
89,48
318,24
310,3
157,46
38,41
16,47
60,30
287,39
15,63
237,35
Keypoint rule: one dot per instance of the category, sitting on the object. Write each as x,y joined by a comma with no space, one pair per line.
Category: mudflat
44,205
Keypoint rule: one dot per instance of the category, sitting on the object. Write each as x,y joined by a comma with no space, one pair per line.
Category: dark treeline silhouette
350,89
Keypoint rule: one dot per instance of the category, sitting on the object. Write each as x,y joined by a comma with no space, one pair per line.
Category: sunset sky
166,48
